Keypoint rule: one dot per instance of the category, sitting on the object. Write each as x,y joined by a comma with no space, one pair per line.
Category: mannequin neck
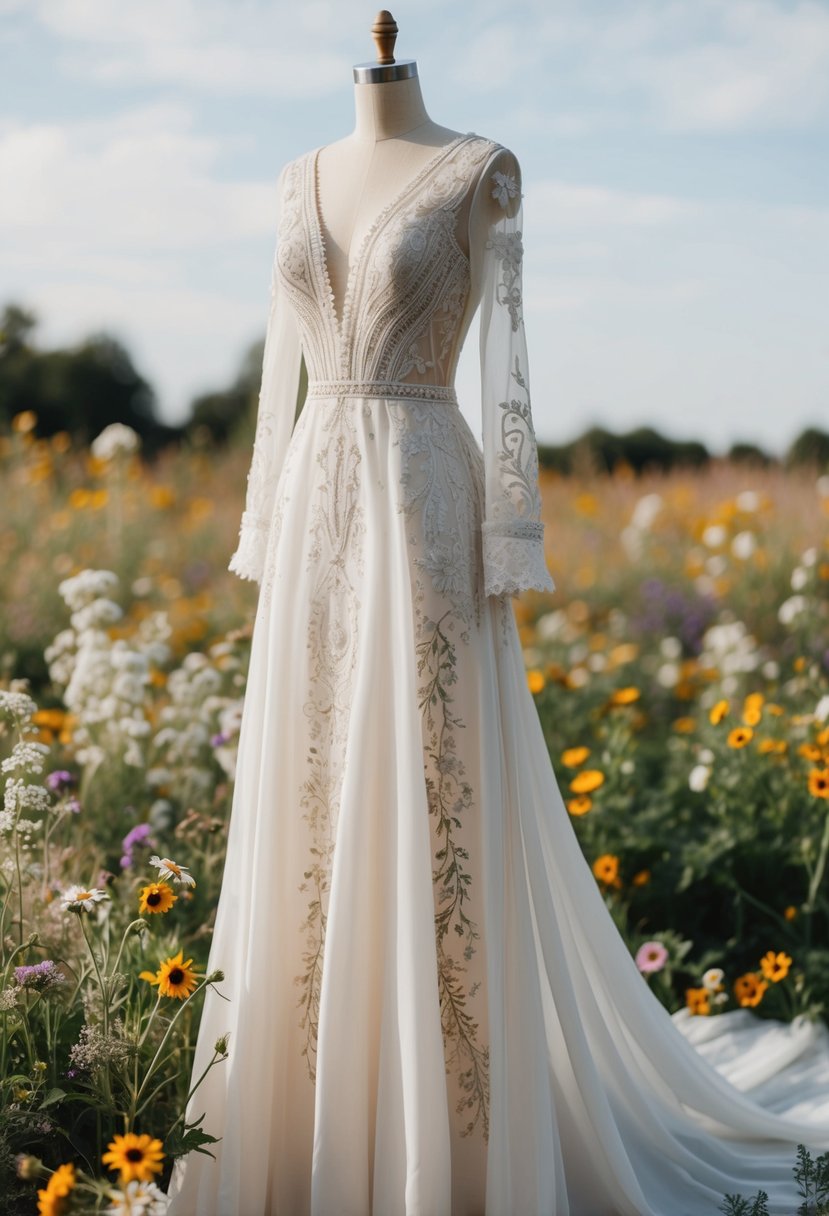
388,110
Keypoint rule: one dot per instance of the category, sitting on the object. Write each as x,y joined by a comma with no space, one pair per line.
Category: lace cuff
276,412
512,531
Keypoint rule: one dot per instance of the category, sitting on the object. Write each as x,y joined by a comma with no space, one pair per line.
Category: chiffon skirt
430,1009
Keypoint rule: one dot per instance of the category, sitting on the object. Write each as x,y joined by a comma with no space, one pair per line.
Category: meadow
681,675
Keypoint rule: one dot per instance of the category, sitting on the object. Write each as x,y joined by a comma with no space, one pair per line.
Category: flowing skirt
430,1009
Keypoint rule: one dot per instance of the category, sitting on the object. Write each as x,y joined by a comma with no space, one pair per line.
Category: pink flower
651,956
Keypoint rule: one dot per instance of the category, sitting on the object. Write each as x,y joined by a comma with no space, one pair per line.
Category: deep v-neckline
341,323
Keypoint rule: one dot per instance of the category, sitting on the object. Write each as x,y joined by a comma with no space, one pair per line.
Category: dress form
357,176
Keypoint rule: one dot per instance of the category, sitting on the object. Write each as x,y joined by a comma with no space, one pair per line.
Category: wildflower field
681,674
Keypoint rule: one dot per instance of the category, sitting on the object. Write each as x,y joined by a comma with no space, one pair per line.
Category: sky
675,162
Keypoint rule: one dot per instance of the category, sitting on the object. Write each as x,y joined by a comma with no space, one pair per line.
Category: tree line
82,389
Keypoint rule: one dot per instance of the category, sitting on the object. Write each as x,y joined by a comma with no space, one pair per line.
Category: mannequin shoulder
498,190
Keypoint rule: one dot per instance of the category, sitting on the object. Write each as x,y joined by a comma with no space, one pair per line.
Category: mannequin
393,138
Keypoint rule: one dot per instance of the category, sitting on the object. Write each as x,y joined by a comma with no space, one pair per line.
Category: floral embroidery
506,187
510,251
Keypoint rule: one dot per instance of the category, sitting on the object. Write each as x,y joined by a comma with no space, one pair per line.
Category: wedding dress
430,1010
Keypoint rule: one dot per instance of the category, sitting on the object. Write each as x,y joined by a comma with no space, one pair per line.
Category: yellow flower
773,708
698,1000
156,897
135,1157
754,700
740,736
775,966
641,878
749,989
606,868
588,780
791,912
819,782
752,715
24,422
535,679
776,747
579,805
684,726
51,1201
574,756
810,751
718,712
624,696
175,977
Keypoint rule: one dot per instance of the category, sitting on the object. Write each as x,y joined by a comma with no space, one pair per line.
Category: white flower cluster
186,742
642,519
104,680
730,648
115,440
27,756
14,703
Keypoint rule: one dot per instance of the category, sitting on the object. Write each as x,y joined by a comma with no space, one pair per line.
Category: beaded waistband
382,388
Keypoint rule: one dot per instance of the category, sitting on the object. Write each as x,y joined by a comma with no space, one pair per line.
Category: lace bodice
410,295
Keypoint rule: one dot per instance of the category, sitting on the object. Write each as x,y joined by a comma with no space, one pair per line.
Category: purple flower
651,956
73,805
136,837
39,976
60,780
219,739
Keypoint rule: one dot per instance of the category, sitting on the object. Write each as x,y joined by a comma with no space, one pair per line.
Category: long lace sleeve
512,529
274,424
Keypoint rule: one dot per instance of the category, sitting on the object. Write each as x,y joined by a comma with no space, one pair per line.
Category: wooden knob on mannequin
384,33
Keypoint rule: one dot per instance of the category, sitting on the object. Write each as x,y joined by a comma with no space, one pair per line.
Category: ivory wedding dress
430,1008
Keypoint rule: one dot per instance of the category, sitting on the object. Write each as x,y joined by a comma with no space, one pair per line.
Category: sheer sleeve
512,529
274,423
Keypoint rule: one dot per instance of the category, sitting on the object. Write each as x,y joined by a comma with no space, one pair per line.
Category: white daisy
713,978
81,899
137,1199
169,869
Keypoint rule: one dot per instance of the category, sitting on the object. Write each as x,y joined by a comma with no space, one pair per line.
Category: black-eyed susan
175,977
698,1001
775,967
717,712
535,680
572,757
819,782
624,696
156,897
172,870
606,868
135,1157
53,1200
579,805
749,989
740,736
588,780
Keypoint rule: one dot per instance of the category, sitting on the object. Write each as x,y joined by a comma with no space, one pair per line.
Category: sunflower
749,989
718,712
740,736
624,696
572,757
606,868
579,805
169,869
175,977
775,966
819,782
51,1199
135,1157
588,780
698,1000
156,897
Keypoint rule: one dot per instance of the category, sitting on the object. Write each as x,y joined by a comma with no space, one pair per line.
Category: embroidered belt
382,388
